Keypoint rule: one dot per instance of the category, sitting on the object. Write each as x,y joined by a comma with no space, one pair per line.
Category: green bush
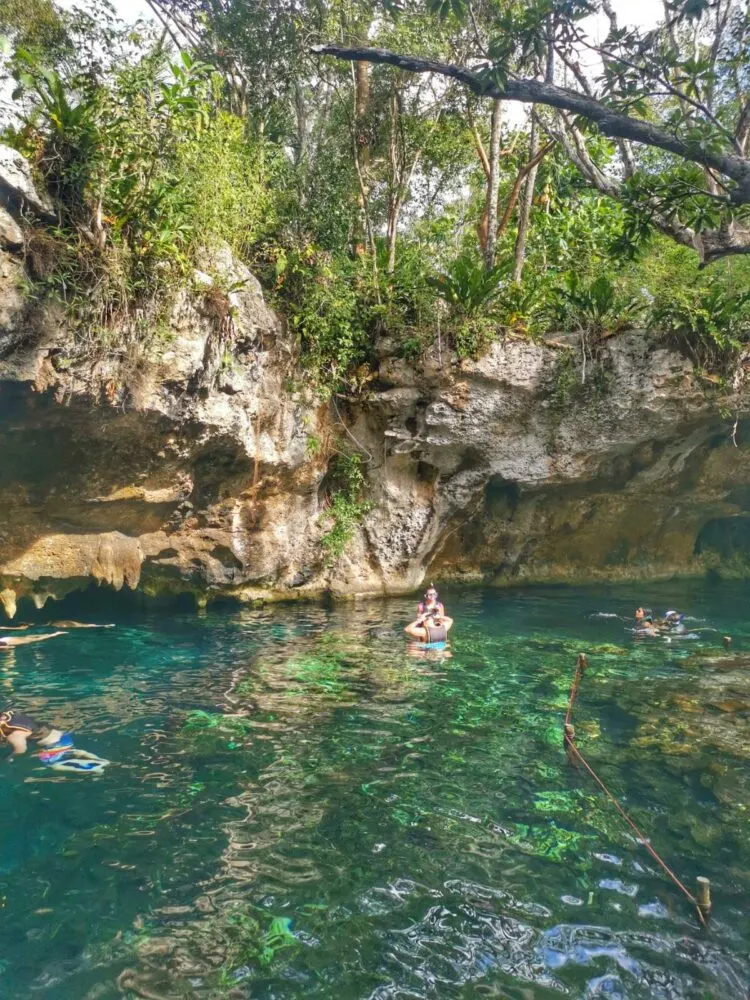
710,325
327,301
145,171
228,182
471,292
468,286
347,507
595,308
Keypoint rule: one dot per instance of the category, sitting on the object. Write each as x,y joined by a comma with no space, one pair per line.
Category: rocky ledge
189,468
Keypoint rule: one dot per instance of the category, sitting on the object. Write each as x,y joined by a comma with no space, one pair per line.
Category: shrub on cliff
145,170
346,505
711,325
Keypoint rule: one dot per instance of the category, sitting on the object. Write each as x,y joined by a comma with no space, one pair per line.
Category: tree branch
609,122
575,149
518,183
478,144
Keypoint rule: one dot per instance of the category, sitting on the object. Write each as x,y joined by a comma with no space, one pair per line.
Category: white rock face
11,234
484,476
185,469
17,185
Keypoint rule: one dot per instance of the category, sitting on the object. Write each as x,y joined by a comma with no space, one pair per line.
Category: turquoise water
300,809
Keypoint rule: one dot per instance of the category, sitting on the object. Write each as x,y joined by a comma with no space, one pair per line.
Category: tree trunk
493,183
395,211
526,203
361,149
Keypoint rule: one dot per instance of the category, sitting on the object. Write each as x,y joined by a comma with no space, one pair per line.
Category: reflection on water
301,809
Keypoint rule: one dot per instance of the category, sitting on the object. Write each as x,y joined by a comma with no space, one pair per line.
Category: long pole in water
702,902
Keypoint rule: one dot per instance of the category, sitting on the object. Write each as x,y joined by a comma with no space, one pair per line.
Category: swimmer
430,628
9,641
69,624
430,603
55,747
645,625
674,621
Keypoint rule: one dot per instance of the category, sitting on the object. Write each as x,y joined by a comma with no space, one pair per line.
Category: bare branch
575,69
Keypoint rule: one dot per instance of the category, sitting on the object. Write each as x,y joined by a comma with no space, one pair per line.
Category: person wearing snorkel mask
431,603
674,621
54,747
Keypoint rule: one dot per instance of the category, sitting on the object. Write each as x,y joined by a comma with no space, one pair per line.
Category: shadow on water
299,809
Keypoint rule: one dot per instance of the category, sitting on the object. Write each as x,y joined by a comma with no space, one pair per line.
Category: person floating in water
674,621
9,641
431,602
70,624
430,628
646,624
55,747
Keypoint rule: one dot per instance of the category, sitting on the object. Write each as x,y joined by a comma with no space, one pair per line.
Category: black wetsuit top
12,721
436,633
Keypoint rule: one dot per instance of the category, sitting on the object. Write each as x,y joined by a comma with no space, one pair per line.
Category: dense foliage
373,201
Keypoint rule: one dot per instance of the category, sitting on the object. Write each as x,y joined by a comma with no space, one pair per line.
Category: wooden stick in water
703,895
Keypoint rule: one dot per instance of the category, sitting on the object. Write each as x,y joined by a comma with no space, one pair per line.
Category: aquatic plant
198,721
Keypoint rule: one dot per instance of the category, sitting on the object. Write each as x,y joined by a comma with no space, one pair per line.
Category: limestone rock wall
186,467
181,469
482,475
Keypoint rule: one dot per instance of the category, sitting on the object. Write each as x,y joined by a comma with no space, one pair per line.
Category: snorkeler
55,747
430,603
430,628
9,641
674,621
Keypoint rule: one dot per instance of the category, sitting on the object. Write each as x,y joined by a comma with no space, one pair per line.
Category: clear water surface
298,808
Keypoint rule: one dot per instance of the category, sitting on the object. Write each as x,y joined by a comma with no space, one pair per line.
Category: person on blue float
430,628
431,602
55,747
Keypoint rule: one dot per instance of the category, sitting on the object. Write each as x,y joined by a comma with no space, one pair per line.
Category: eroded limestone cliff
187,468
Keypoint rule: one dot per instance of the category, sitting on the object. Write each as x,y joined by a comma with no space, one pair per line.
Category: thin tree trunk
493,183
361,149
526,203
363,233
478,144
518,183
303,141
402,175
392,236
396,158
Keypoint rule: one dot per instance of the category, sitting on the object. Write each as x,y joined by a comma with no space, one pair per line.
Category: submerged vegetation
371,200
